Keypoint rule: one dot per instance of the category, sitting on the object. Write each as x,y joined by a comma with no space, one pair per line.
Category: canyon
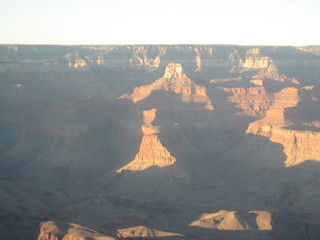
159,142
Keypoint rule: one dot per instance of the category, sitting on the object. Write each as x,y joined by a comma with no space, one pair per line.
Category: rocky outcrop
257,82
198,60
271,72
149,57
68,231
235,220
151,152
311,49
255,61
298,146
148,63
141,59
143,232
253,101
74,60
176,81
286,98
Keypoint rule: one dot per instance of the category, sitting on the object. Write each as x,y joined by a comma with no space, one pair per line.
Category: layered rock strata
144,232
235,220
253,101
151,152
68,231
299,146
176,81
254,60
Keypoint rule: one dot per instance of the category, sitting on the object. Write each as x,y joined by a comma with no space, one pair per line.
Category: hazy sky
266,22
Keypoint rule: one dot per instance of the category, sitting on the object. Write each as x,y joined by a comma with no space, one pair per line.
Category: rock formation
257,82
147,63
253,101
255,61
143,232
235,220
64,133
140,58
151,152
68,231
271,72
299,146
176,81
198,60
74,60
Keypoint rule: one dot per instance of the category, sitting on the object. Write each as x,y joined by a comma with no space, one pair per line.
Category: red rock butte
176,81
151,152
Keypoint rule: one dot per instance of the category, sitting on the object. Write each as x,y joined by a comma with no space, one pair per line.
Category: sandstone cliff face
299,146
271,72
255,61
148,57
148,63
235,220
68,231
151,152
253,101
144,232
198,60
176,81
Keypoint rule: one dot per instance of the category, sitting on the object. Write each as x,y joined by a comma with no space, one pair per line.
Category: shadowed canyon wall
159,141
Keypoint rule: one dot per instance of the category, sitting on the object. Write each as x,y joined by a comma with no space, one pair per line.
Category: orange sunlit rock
151,153
176,81
298,146
235,220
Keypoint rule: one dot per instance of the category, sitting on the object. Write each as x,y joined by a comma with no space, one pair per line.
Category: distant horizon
155,44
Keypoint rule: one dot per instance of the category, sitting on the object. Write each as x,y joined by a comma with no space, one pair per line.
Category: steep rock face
148,64
299,146
151,152
140,58
176,81
235,220
198,60
255,61
253,101
143,232
68,231
286,98
272,72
